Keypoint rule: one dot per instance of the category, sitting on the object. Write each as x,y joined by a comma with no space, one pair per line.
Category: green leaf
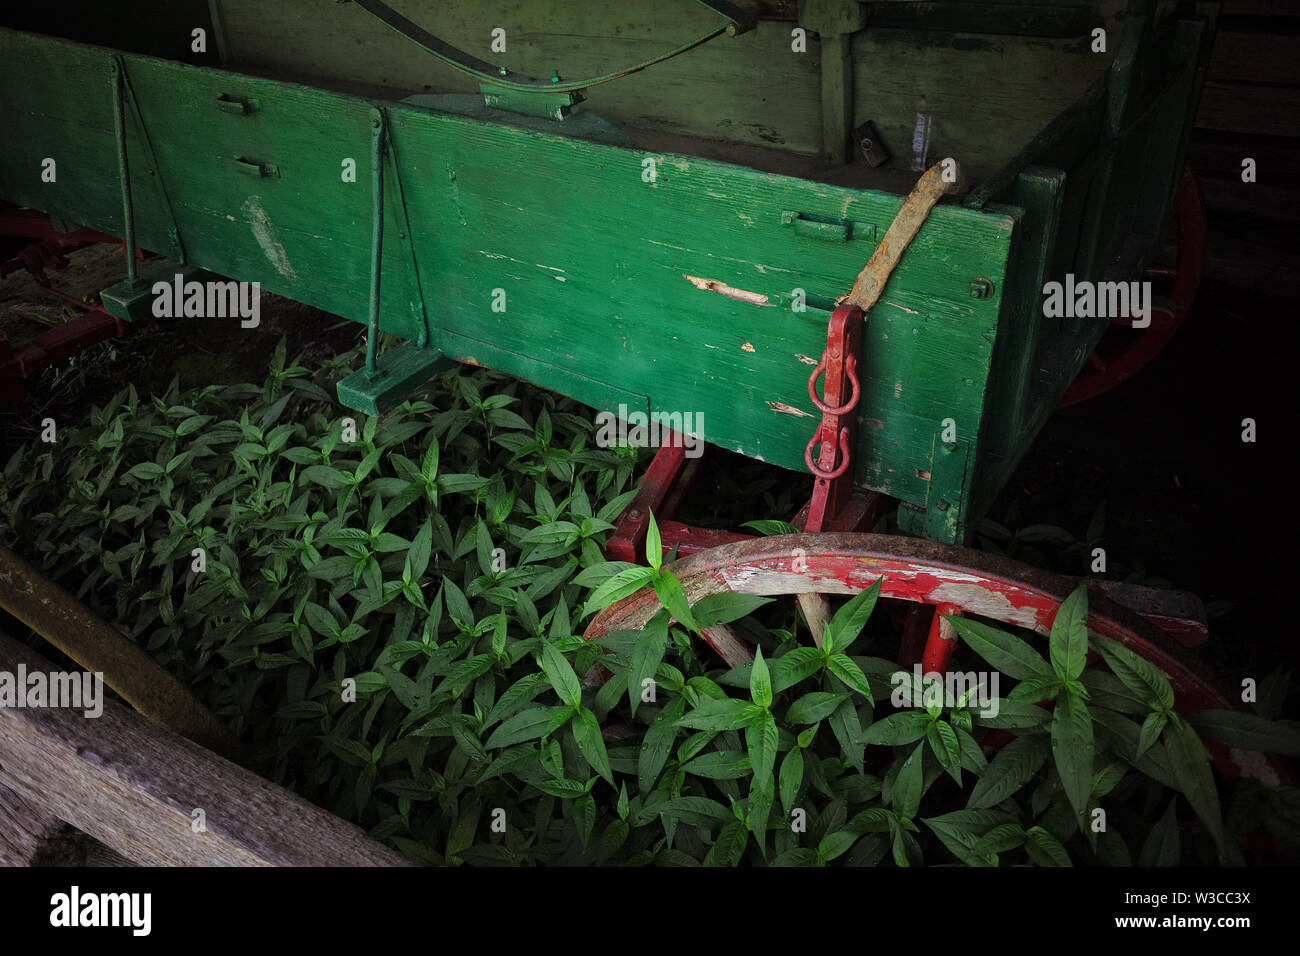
331,478
1013,715
791,777
1191,768
1161,847
657,743
943,741
417,558
1246,731
760,682
654,547
673,597
559,672
429,467
843,667
847,728
767,526
1003,837
584,815
1072,751
796,665
1068,642
697,811
729,847
1008,654
1010,769
625,582
720,765
1137,674
760,808
843,629
1045,849
646,657
813,706
836,844
717,715
897,730
761,741
525,725
586,734
565,789
1151,729
725,607
906,797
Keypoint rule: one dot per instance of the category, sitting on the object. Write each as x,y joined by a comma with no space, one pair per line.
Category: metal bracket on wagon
397,373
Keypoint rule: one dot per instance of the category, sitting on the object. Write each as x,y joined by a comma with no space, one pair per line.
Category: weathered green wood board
988,94
748,89
592,258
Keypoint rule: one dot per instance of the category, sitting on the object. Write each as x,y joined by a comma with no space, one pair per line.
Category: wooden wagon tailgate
604,254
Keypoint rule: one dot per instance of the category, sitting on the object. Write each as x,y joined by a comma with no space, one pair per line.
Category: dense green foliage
392,625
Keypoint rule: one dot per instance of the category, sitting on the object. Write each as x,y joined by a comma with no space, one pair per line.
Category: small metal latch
256,169
828,230
238,105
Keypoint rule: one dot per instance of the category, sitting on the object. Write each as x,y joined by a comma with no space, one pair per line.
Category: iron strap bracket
837,431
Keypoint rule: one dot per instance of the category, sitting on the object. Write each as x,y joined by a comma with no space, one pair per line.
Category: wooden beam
70,626
135,787
1255,58
835,21
1271,110
24,829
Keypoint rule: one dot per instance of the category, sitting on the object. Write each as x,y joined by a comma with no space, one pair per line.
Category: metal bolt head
981,288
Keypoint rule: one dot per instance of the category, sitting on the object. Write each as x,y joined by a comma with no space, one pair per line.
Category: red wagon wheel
1125,351
951,579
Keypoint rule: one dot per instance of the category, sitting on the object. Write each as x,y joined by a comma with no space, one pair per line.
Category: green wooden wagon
657,210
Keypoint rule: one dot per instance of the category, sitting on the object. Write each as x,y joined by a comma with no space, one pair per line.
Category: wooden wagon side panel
609,258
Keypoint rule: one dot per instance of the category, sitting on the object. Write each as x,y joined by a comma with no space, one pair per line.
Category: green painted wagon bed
587,253
661,211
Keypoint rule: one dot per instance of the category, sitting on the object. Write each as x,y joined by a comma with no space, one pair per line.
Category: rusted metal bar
939,180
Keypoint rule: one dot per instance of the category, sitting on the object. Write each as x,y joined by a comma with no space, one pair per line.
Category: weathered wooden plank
1221,157
982,111
94,644
25,828
710,91
1241,108
1255,58
1040,193
135,787
1260,8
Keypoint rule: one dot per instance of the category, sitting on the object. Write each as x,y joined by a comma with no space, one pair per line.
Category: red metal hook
851,370
843,456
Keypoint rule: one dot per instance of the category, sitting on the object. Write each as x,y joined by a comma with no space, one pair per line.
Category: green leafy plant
389,620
